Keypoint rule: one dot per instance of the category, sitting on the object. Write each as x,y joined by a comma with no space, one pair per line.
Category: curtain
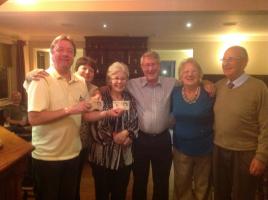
20,69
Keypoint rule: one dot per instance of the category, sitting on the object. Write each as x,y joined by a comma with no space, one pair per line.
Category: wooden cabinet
106,50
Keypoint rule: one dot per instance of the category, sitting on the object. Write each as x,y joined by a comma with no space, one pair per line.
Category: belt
153,134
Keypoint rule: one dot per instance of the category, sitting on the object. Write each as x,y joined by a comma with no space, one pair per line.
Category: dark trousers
55,180
110,184
154,150
83,156
232,180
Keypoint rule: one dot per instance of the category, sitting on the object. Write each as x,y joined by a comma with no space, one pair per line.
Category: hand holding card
96,104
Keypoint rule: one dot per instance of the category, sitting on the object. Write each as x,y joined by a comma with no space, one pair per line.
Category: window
42,58
167,68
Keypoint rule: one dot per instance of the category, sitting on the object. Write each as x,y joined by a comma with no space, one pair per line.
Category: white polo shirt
57,140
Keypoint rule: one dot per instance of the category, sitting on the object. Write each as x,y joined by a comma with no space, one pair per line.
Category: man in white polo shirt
55,104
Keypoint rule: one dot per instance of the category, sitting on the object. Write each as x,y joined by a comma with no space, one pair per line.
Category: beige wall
44,45
208,55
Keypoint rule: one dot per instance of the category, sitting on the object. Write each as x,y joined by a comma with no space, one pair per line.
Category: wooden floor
87,185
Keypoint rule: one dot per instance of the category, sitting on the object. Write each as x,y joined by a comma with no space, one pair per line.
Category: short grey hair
114,68
194,63
150,54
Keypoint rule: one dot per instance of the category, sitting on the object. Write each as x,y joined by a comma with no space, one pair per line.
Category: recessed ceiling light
188,25
104,26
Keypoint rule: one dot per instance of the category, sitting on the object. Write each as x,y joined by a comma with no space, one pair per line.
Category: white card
121,104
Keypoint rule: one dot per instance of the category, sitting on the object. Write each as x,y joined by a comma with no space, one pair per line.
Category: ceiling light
104,26
229,40
234,39
188,25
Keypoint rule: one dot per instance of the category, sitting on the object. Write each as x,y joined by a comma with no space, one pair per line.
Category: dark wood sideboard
106,50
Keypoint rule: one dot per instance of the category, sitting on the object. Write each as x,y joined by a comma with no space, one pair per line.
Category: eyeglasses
119,79
230,59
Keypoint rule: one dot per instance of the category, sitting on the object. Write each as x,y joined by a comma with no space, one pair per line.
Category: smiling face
86,71
233,63
190,75
151,69
63,56
118,81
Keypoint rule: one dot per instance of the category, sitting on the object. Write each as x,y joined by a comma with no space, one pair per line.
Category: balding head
240,51
234,62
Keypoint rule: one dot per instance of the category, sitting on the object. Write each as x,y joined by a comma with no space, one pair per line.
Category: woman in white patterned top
112,135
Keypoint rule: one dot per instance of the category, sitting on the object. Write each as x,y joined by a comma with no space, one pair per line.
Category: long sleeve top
153,103
103,150
241,117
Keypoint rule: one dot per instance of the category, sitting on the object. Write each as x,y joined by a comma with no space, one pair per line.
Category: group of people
228,129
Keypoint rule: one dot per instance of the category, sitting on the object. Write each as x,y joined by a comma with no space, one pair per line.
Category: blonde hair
114,68
194,63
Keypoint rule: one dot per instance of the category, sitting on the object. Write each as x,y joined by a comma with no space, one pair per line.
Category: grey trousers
232,180
192,176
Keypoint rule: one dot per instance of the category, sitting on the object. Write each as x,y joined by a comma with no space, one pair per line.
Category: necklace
117,97
188,99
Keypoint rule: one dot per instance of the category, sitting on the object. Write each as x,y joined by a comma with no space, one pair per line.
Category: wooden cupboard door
116,56
100,57
97,55
107,50
133,61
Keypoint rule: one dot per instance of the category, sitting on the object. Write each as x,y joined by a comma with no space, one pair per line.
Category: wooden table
13,163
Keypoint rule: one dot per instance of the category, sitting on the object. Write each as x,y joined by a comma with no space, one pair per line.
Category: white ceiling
158,26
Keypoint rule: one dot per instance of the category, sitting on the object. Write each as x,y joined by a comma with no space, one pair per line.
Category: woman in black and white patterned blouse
116,126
